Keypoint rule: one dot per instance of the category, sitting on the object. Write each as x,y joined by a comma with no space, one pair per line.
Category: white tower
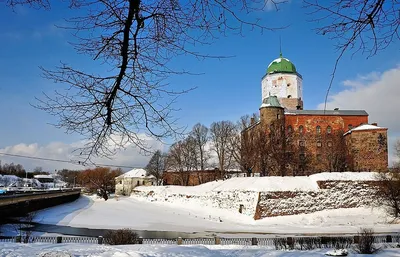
283,81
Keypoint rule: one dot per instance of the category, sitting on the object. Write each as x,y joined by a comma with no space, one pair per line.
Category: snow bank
283,195
64,250
345,176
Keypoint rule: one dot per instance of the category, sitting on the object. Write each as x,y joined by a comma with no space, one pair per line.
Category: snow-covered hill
246,194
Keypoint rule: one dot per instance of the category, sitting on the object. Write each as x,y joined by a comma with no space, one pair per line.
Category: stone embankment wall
331,195
228,200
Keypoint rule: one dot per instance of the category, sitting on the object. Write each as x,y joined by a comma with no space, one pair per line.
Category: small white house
125,183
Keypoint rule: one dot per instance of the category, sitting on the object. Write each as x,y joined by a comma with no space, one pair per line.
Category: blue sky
228,89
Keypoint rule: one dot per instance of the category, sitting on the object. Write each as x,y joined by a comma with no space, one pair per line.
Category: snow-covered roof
364,127
327,112
136,173
43,176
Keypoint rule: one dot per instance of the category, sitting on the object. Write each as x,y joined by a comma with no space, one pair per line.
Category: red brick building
288,140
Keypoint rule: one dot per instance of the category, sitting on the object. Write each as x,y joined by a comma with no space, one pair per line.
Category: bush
121,237
365,244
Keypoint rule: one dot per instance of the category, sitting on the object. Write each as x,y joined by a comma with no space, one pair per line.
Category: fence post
100,240
254,241
140,241
217,240
179,241
59,240
18,239
290,243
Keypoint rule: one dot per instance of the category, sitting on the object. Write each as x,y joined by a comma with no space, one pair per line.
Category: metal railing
302,243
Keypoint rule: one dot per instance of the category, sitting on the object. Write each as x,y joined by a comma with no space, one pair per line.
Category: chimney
374,124
252,120
336,109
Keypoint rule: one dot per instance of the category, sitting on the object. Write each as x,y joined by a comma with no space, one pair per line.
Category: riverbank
129,212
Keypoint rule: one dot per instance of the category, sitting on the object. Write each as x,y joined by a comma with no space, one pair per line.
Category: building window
350,126
278,116
302,157
329,130
138,183
319,157
329,143
301,129
120,182
289,96
318,130
289,129
302,143
143,182
319,144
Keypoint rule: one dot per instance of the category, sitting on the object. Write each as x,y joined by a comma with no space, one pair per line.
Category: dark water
91,232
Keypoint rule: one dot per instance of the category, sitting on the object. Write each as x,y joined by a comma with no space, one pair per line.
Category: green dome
281,65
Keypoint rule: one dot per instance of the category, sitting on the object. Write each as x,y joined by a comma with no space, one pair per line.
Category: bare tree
181,158
335,151
365,26
100,178
243,144
199,134
222,134
156,166
136,42
388,191
397,152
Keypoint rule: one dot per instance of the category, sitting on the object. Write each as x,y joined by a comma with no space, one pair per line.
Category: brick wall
368,149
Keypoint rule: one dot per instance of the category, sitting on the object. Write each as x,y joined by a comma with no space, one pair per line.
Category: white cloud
274,5
131,156
378,94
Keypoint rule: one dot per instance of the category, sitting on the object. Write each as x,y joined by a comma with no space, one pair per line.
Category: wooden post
100,240
217,240
140,240
254,241
179,240
290,243
59,240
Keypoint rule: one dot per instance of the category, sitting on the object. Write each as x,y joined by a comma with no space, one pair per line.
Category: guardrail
301,243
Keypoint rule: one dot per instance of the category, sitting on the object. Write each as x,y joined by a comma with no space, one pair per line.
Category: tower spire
280,47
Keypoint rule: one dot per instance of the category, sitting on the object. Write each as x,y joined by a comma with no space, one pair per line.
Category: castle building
288,140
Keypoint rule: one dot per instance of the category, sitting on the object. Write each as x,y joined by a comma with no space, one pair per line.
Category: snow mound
263,184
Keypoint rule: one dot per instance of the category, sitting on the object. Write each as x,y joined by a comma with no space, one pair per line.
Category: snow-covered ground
133,213
67,250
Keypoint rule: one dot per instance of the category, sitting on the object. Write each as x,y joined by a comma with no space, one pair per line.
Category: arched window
301,129
289,96
302,143
329,130
318,130
289,129
319,144
329,143
319,157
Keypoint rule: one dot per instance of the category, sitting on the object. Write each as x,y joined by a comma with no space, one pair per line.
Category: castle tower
283,81
272,113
